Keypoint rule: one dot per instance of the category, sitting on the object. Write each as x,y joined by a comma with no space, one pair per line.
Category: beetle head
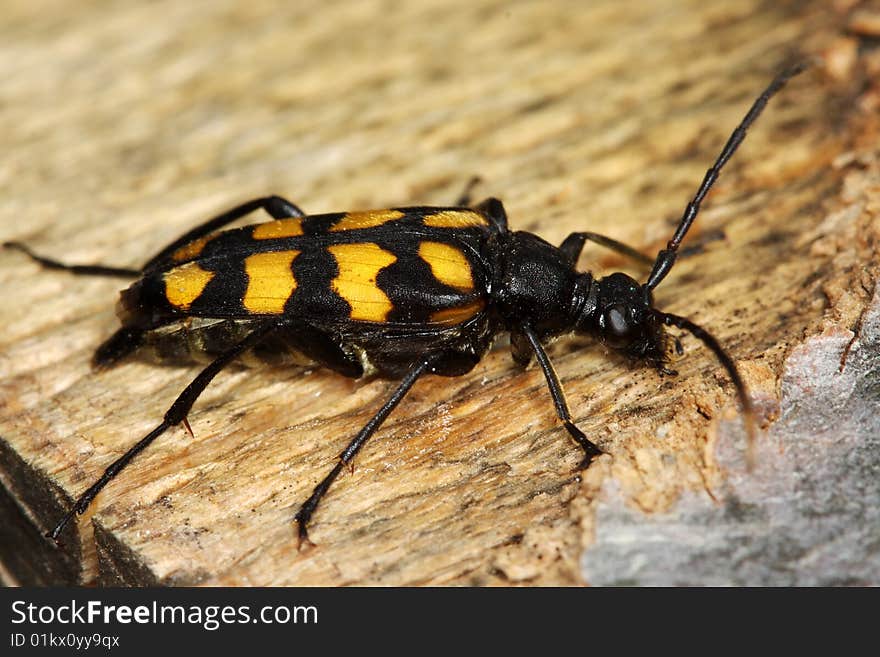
619,312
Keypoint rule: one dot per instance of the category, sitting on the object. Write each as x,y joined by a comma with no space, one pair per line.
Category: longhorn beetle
400,293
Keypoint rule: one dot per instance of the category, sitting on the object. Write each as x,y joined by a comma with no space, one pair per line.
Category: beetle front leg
591,451
574,244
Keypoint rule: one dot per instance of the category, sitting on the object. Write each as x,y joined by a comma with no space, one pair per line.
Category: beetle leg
119,345
305,512
494,209
520,348
321,348
465,199
79,270
574,244
277,207
590,449
175,415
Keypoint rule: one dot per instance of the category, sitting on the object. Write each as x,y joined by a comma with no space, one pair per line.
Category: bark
126,125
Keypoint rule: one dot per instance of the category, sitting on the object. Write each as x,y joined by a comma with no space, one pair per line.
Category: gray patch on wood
809,513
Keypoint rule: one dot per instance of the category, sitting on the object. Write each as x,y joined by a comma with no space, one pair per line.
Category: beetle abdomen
201,340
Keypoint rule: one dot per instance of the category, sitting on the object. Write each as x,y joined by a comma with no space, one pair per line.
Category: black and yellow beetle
398,292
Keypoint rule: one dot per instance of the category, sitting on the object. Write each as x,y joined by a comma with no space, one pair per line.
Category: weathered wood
126,124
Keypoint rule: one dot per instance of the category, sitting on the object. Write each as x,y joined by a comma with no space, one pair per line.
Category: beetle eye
617,321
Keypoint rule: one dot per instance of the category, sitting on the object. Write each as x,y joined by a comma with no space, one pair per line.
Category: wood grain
125,124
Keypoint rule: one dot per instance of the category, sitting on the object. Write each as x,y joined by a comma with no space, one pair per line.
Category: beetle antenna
666,257
709,340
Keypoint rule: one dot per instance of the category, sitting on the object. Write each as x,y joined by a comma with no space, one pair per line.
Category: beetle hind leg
276,206
78,270
320,347
119,345
176,414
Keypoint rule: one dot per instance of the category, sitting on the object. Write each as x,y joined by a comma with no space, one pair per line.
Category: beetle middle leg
305,512
175,415
491,207
465,198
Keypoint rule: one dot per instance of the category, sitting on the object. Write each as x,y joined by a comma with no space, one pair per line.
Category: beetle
399,292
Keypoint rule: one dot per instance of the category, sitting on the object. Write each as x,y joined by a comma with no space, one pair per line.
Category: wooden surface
125,124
